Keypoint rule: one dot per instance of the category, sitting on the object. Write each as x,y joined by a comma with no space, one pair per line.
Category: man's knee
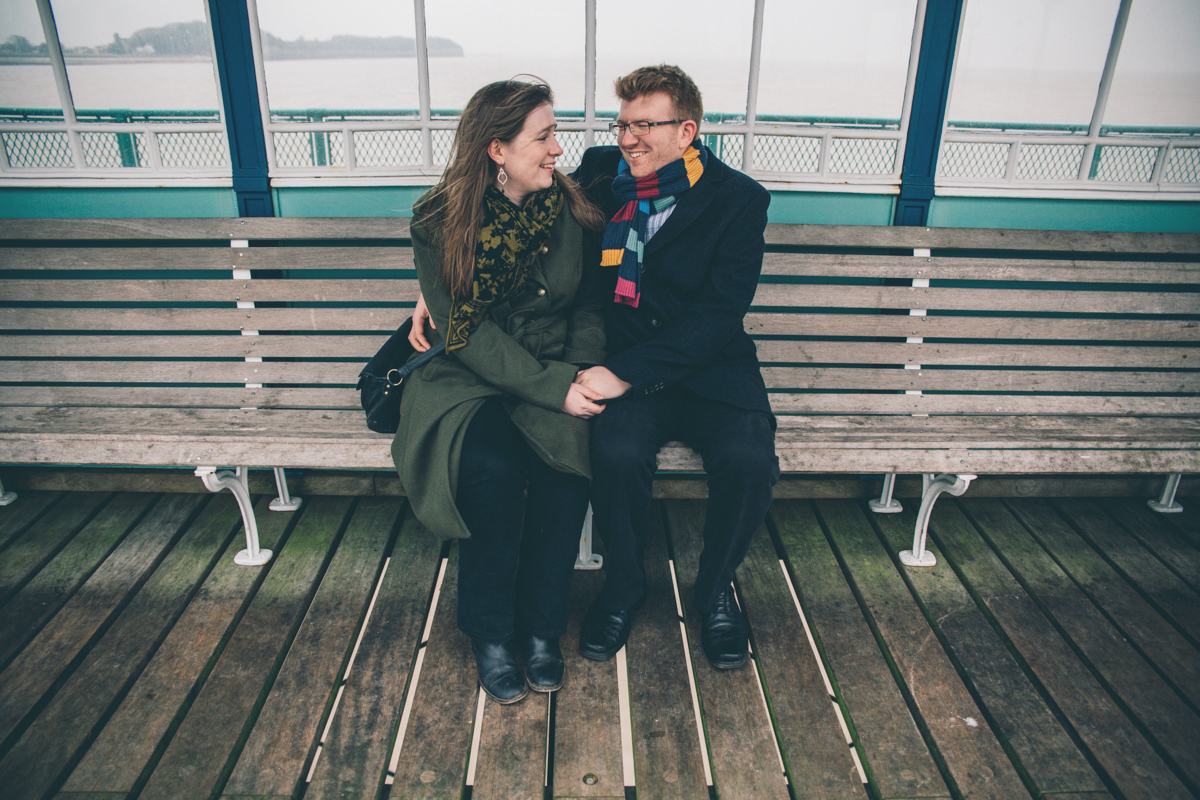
746,452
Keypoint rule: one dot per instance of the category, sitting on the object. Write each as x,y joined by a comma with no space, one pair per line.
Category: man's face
662,144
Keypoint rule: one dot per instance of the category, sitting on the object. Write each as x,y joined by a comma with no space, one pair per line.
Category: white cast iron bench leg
238,483
587,559
8,497
285,502
1166,504
885,504
933,487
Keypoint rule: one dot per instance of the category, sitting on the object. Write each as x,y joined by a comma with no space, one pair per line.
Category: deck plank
114,764
1042,747
976,760
353,764
666,746
1177,546
60,732
29,551
437,742
56,647
53,579
1130,762
587,722
198,758
1140,623
287,729
512,750
895,755
17,517
741,740
1130,678
815,753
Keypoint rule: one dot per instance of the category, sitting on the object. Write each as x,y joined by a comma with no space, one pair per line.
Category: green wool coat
526,351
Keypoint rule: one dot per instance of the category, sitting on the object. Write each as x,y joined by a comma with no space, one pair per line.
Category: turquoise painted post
930,93
239,95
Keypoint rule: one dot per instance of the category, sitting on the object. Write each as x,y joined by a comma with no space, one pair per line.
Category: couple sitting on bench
587,322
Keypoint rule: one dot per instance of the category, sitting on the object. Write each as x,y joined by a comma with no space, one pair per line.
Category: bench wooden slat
183,371
203,319
1072,301
976,269
365,346
182,397
204,258
958,380
966,327
213,229
342,290
972,405
980,239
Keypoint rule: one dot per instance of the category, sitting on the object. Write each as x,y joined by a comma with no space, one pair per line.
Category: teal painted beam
1169,216
831,208
51,202
347,201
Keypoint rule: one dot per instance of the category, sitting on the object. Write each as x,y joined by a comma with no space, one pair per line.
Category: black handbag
382,379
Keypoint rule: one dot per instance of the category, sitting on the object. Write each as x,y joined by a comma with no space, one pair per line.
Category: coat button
654,323
545,250
541,292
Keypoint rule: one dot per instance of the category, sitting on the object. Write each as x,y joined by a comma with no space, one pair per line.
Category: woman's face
528,159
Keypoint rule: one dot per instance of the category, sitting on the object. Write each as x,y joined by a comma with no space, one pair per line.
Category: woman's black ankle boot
499,674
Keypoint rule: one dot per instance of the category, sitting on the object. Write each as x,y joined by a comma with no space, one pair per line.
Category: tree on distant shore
16,45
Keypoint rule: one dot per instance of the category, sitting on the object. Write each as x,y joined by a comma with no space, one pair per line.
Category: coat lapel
689,206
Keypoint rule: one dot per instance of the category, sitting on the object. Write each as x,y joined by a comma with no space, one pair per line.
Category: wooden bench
948,353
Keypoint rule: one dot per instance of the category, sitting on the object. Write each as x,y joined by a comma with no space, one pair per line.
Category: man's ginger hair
671,80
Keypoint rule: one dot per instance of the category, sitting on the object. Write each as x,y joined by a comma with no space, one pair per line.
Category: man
682,254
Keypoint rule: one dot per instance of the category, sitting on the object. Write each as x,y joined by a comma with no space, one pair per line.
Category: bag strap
403,372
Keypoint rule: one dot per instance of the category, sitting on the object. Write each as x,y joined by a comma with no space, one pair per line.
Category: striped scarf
625,237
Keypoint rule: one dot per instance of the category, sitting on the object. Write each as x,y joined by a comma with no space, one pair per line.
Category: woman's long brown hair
453,209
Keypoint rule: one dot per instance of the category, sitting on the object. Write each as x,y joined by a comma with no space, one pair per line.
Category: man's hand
603,381
579,402
416,337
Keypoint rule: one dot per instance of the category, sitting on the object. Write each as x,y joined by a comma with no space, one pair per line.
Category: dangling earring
502,176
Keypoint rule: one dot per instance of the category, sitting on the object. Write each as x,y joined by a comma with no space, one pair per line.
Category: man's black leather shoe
605,632
499,675
544,667
723,633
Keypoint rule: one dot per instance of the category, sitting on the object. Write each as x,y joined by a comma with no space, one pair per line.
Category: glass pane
835,61
1024,63
27,88
496,42
132,59
1157,82
709,41
353,58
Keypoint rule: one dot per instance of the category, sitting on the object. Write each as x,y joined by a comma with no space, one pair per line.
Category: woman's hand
579,402
416,337
603,381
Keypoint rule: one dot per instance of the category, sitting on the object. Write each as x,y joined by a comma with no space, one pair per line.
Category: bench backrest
849,319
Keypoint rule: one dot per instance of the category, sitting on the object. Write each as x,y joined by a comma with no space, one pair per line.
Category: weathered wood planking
1021,717
205,319
157,290
288,728
1174,571
62,729
49,583
894,753
961,268
587,715
980,239
182,397
959,730
32,673
18,518
1115,742
815,753
666,744
358,745
1131,679
437,742
128,743
1177,550
512,750
196,762
761,323
100,230
741,740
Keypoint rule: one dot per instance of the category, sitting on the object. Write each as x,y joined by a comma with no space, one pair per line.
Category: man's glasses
639,128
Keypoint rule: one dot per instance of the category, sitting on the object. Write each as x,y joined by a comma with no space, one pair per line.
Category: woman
492,443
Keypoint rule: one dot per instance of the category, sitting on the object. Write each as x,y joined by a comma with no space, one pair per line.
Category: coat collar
690,204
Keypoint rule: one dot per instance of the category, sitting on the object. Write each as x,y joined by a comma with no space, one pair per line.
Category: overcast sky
1052,34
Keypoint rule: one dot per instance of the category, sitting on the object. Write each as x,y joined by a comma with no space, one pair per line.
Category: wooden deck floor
1054,651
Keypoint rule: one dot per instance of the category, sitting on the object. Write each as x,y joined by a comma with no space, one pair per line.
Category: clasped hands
592,384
